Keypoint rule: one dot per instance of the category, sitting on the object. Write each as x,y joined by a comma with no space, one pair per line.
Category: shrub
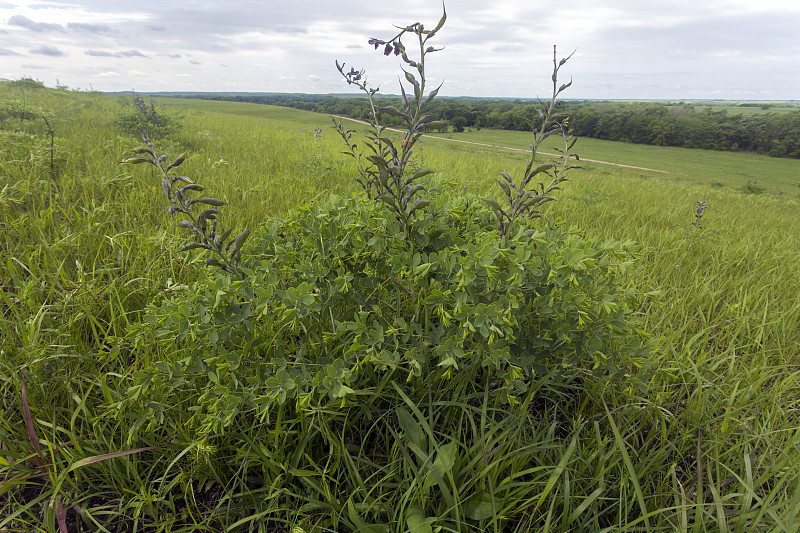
364,334
144,118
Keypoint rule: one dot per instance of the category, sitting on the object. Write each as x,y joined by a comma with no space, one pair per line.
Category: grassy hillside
712,444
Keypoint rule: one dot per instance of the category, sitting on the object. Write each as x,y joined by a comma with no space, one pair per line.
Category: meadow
90,258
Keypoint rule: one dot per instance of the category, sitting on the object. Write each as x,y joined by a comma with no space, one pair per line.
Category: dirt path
510,148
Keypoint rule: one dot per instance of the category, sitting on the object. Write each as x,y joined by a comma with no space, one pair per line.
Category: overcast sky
659,49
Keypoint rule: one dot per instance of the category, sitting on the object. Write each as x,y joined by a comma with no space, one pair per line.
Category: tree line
654,123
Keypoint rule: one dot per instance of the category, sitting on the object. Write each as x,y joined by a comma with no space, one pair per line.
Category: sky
623,49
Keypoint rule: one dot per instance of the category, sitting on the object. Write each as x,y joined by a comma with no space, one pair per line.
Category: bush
144,118
376,338
339,325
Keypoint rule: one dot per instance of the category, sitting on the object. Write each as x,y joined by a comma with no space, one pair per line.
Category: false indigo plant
356,320
525,197
383,177
202,221
698,214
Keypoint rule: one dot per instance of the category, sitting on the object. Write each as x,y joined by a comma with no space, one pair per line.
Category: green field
702,167
90,258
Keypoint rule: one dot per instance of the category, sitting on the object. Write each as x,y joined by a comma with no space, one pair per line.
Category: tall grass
712,445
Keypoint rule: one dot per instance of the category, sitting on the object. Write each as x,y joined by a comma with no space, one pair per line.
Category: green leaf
438,25
383,175
387,198
192,246
494,204
414,190
423,269
240,240
210,201
192,187
210,213
416,521
444,462
188,225
432,94
391,110
411,428
480,506
412,80
359,522
541,168
420,203
181,158
97,458
418,175
136,161
221,239
505,188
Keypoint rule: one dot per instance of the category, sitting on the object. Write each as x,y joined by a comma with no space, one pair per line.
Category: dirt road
510,148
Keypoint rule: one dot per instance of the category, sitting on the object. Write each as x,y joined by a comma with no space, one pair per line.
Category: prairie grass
712,445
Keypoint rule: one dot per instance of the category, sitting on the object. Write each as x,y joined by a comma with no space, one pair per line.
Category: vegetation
323,389
775,132
144,118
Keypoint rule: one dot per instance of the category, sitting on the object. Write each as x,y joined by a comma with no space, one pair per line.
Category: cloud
25,22
124,53
99,53
47,51
7,52
89,28
195,62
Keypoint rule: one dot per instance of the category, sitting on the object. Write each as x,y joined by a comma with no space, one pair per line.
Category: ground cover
712,445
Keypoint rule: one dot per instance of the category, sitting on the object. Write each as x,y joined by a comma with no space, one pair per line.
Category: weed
752,187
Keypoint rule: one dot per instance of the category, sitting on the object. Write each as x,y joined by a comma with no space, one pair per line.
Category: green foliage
525,198
384,176
334,287
26,83
337,316
226,254
711,445
145,119
753,188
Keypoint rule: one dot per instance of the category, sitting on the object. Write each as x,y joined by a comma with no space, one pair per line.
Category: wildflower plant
355,312
383,171
698,214
198,215
525,196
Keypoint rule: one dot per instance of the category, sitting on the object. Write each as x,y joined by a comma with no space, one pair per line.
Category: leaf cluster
340,323
198,215
336,303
